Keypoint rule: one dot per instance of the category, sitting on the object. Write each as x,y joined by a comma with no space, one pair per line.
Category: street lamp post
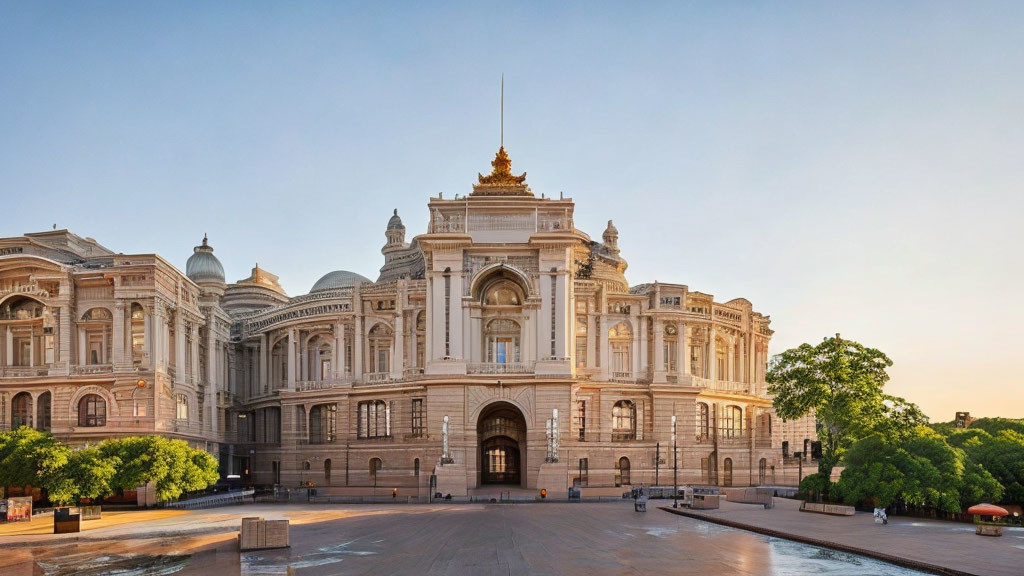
675,467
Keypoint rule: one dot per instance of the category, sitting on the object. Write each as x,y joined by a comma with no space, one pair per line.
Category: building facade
502,347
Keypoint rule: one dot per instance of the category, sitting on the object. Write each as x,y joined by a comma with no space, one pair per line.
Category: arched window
43,412
623,421
721,359
305,465
620,340
376,464
138,320
732,422
327,471
96,329
669,348
502,339
762,471
380,337
92,411
727,469
581,340
181,407
21,410
322,423
622,472
703,421
421,339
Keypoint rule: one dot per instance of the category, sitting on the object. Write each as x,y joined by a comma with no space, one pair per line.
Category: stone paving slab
939,546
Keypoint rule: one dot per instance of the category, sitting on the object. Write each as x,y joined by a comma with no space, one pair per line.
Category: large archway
501,435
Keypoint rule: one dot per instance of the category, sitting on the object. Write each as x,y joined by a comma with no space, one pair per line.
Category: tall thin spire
502,142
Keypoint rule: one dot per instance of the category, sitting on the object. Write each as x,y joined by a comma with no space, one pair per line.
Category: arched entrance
501,432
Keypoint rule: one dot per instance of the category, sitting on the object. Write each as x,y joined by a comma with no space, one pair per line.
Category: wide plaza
543,538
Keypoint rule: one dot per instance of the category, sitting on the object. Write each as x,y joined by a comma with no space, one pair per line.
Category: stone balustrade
500,368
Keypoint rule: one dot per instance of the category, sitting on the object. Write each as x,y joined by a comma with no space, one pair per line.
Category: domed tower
395,232
205,269
611,238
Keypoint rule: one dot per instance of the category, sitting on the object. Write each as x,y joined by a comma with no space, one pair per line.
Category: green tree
921,468
171,464
31,457
840,382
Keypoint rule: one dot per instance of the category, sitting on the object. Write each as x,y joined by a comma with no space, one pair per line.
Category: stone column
304,357
179,346
194,365
118,339
212,376
291,358
340,338
398,357
602,338
751,359
683,364
65,335
659,351
82,360
712,357
413,342
264,365
635,348
147,335
357,336
730,359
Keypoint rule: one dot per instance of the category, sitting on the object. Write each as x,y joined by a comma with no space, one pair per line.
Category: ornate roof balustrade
308,385
500,368
720,385
23,371
93,369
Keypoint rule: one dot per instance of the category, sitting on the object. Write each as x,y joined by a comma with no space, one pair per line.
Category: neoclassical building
502,347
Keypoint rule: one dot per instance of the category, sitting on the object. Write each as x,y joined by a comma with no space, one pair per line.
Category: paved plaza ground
548,538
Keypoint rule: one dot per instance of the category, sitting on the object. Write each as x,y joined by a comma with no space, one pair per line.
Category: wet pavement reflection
477,539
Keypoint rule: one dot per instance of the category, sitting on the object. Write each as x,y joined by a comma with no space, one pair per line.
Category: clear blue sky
847,167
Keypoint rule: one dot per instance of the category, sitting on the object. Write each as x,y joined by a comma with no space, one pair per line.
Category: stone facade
503,346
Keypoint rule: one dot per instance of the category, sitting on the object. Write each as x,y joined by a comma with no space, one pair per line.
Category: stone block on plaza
66,523
705,502
451,479
259,534
276,534
90,512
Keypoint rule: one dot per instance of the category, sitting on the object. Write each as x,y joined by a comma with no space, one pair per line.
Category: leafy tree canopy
921,469
30,457
841,382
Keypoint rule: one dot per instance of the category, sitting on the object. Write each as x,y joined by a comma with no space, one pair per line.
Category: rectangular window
182,407
582,473
581,419
374,419
417,418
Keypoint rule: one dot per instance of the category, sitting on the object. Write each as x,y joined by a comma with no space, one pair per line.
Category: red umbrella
987,510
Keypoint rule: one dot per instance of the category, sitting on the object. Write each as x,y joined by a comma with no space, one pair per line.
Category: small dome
395,223
203,266
338,279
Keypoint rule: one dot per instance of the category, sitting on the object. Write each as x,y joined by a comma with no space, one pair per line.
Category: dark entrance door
500,461
501,432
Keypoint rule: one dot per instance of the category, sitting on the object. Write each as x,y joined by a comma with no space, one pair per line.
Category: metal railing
215,500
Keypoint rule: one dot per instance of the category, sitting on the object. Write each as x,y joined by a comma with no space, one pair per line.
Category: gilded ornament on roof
501,181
